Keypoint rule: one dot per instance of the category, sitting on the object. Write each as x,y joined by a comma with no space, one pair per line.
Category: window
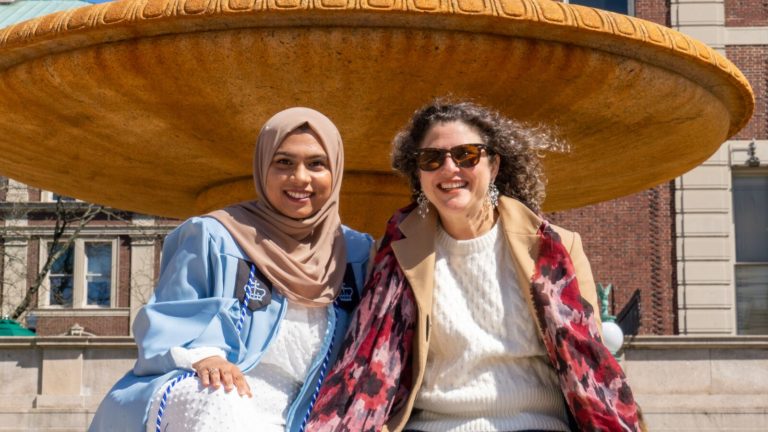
98,273
60,279
83,276
626,7
48,196
750,219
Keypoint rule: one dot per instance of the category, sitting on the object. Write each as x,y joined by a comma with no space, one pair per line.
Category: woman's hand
215,371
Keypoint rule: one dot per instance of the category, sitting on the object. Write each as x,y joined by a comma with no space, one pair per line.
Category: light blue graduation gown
194,305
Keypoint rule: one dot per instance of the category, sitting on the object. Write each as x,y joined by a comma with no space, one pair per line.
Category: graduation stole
371,378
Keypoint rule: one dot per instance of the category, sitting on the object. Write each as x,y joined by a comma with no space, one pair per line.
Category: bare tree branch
24,218
57,247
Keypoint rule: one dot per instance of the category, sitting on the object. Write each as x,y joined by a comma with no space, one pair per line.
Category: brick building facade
630,244
720,217
97,285
677,244
746,13
630,241
753,62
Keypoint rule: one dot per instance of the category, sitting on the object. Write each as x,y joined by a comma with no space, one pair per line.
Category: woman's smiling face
452,190
299,180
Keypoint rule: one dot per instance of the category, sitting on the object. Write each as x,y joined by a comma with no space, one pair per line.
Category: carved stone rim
540,19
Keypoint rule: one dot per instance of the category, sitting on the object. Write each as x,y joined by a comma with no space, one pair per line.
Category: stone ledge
696,342
87,312
706,422
704,404
60,402
74,420
15,402
91,342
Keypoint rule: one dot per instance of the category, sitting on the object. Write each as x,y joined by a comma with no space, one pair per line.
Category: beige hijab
304,259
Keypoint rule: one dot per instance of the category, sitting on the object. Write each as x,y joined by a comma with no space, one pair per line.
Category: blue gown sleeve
190,307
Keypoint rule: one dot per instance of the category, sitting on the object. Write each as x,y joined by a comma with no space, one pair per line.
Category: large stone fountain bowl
154,105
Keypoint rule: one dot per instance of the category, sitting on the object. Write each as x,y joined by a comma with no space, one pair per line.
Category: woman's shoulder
568,238
358,243
520,219
200,226
200,229
563,232
351,234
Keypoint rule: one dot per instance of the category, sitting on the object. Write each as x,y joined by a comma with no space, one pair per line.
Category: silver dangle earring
492,199
423,203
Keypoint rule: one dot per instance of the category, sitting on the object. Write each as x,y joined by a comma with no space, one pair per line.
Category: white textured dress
274,382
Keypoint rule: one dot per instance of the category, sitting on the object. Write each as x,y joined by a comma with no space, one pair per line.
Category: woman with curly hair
479,315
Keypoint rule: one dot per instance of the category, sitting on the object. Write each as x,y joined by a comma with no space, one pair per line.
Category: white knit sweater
486,368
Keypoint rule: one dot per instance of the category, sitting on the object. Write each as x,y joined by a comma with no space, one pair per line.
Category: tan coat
416,255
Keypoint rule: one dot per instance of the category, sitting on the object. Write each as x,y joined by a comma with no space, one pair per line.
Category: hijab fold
304,259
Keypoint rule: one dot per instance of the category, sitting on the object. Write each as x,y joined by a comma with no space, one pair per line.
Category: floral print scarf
594,386
371,379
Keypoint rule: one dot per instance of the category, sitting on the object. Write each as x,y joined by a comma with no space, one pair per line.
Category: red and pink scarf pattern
371,379
593,383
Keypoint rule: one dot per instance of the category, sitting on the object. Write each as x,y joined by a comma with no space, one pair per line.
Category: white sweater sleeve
184,358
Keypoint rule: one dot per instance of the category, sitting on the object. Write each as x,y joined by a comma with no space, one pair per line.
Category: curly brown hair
518,146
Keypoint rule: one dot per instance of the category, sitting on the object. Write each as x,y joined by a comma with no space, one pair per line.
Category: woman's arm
187,309
187,324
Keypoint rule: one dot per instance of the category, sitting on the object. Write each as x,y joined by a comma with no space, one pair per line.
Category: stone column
702,19
703,206
142,272
14,273
14,282
17,192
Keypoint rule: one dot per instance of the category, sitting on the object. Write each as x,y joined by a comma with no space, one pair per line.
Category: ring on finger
212,371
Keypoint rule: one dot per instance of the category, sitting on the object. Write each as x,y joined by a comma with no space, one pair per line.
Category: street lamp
613,336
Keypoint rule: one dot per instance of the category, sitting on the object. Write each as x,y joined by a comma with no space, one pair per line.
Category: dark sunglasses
464,156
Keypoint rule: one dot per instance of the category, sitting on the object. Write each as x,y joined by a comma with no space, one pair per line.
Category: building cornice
746,35
67,342
88,231
86,312
719,36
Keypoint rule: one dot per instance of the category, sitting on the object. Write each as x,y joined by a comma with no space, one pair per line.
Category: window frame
49,197
630,6
735,173
736,265
79,282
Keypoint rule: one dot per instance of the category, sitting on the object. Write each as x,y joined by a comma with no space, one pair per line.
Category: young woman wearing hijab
479,315
250,299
